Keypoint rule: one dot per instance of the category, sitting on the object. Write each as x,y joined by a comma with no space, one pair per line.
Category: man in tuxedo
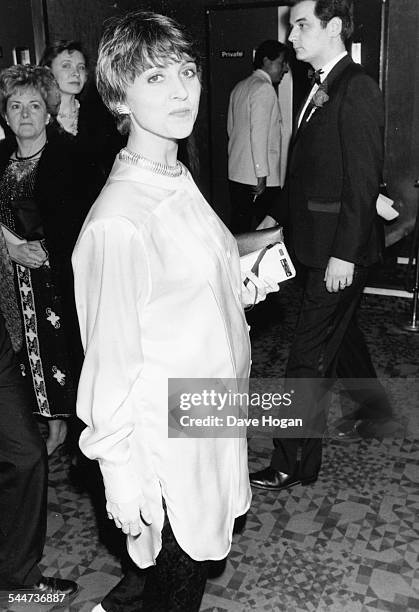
254,137
23,463
332,184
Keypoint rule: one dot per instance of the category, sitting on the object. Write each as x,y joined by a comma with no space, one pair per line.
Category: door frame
40,27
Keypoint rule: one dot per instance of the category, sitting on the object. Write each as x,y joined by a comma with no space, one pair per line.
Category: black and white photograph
209,305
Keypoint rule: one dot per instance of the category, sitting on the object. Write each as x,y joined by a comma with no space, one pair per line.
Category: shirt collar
330,65
260,72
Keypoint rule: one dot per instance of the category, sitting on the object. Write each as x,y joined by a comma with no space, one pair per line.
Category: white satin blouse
158,295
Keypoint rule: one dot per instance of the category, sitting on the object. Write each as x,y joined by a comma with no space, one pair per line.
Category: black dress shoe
272,480
55,586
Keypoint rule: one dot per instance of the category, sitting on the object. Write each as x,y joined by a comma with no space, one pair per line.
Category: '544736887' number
36,597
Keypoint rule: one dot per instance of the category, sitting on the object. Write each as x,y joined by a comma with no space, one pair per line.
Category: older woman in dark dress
41,209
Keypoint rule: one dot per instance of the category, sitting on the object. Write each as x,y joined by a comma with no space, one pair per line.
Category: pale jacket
254,131
158,295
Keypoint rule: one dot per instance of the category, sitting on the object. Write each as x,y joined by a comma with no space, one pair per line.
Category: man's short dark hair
325,10
271,49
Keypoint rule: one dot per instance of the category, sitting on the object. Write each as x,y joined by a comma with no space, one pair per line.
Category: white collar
330,65
260,72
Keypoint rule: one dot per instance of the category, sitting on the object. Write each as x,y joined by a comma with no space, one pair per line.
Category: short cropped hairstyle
271,49
18,78
132,43
54,49
325,10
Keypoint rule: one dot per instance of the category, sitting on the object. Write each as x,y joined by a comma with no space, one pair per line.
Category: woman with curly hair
42,207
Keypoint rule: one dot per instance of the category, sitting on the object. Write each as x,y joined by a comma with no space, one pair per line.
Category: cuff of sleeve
260,171
121,481
344,254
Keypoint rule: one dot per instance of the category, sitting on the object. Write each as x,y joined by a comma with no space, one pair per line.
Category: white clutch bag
273,262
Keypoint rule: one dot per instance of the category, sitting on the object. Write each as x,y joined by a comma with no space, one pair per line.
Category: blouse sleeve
111,283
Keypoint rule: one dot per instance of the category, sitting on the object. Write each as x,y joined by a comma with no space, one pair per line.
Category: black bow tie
314,76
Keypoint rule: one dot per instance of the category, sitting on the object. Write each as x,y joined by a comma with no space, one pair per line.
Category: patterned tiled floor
350,542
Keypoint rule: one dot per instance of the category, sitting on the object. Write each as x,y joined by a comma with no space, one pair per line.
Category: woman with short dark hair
159,296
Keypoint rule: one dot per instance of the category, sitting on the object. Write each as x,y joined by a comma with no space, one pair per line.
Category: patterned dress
44,355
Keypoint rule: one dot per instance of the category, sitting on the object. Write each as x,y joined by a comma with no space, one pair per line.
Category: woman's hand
256,289
130,516
30,254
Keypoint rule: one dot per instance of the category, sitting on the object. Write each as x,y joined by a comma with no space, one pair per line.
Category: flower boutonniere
320,98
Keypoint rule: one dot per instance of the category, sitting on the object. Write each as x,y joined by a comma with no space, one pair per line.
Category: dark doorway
233,34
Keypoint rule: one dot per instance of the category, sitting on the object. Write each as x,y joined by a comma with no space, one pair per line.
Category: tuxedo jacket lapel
297,116
307,113
327,86
333,76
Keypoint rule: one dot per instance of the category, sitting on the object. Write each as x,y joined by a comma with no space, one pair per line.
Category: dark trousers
247,213
23,482
328,344
175,584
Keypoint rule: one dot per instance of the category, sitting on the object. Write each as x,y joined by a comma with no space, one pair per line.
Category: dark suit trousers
328,344
246,214
23,478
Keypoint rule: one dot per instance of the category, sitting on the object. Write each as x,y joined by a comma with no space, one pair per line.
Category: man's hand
130,516
259,188
29,254
339,274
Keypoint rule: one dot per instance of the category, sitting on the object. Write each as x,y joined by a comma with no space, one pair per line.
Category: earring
122,109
